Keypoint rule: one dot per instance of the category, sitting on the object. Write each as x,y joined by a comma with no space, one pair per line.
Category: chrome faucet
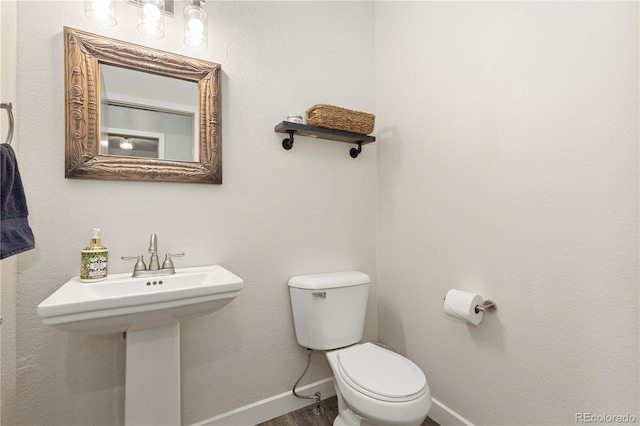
140,269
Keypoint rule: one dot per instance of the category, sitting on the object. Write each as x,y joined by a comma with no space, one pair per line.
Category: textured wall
279,213
508,166
8,266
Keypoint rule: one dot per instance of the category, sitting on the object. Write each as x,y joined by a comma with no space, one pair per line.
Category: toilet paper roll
460,304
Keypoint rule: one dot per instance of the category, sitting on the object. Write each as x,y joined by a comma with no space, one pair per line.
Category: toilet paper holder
487,306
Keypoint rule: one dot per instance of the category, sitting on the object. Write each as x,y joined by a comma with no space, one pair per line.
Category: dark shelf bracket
323,133
288,142
355,152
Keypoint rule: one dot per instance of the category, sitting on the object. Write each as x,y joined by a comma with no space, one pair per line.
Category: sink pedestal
152,388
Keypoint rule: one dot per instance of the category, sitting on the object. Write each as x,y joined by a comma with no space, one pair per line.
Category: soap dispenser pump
94,259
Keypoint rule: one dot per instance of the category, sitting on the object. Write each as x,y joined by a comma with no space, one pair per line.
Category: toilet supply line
318,409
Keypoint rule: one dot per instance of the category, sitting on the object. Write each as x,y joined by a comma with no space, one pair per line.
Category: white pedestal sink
150,311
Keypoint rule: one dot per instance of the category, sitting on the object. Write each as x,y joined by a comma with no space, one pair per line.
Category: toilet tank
329,309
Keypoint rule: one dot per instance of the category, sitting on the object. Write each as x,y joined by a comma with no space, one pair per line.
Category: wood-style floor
305,416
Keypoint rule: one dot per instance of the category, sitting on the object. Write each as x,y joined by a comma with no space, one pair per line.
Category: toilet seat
380,373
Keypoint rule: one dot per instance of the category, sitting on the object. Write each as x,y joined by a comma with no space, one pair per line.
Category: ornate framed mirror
128,133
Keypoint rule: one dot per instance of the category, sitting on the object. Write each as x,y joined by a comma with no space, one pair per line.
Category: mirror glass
151,117
135,113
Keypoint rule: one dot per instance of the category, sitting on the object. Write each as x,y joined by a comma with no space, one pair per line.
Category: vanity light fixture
169,6
101,10
151,18
195,25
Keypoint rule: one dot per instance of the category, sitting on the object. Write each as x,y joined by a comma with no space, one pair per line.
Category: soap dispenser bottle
94,260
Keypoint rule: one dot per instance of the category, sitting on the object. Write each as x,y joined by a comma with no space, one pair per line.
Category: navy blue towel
16,235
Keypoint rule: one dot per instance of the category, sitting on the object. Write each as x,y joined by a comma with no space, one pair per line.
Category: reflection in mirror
153,108
135,113
121,144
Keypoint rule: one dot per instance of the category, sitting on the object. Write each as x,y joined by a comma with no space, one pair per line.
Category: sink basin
122,303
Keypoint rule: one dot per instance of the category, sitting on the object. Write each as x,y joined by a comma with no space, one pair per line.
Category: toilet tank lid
329,280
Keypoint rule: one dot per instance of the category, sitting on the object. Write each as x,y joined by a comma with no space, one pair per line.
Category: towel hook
8,107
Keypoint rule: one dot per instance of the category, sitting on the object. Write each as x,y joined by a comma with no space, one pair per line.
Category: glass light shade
102,11
151,18
195,26
125,144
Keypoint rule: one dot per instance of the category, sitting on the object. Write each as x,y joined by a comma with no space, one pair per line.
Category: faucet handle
140,265
167,259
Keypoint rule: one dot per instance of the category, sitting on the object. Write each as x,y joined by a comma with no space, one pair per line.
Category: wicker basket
332,117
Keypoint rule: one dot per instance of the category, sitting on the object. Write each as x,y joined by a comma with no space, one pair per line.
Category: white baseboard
284,403
445,416
270,408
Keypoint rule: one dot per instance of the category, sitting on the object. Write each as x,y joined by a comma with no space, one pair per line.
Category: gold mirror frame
83,54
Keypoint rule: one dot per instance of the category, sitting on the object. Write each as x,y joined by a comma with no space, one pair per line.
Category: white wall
278,214
8,266
508,166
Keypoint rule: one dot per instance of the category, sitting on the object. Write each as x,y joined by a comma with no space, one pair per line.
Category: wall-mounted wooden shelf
323,133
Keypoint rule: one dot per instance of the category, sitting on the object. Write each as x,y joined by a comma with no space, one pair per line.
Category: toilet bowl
374,386
378,387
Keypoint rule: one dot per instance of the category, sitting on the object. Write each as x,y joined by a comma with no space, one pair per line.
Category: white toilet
373,385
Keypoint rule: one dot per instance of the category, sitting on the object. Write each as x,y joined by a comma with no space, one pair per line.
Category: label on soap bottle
94,265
